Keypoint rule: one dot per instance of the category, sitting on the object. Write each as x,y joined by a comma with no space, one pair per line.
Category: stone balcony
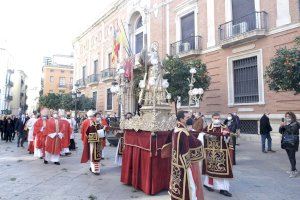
187,47
250,27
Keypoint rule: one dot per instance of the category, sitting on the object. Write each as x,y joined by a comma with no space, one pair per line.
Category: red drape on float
142,165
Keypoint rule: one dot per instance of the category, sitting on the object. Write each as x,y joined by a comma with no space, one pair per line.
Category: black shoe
97,174
56,163
272,151
68,154
264,151
225,193
41,157
209,188
45,162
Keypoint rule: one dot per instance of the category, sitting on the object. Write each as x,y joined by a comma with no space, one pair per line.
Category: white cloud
37,28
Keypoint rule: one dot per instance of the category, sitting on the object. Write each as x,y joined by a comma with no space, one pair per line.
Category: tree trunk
175,106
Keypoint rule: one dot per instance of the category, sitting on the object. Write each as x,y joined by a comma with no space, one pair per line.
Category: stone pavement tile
257,176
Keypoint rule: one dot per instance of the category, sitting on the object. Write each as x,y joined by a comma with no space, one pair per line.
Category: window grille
249,127
245,78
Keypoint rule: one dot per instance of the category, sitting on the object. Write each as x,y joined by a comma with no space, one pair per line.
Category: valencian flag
119,39
116,46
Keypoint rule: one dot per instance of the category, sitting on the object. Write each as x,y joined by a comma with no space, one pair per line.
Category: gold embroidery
93,137
97,151
197,154
174,160
186,160
176,180
216,158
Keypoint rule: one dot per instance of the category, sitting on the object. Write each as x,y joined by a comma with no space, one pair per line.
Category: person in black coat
290,126
20,129
265,129
232,125
14,120
2,127
8,129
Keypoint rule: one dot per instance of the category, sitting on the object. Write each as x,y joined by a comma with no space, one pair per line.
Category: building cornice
71,68
115,5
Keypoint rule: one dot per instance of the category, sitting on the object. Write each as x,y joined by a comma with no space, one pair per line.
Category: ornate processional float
155,113
145,134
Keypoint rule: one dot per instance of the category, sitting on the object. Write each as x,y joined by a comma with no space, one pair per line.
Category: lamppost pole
118,89
75,95
194,93
76,107
191,85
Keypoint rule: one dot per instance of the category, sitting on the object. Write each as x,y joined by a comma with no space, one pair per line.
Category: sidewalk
257,176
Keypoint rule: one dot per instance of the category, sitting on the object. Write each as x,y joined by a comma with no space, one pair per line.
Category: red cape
38,134
66,130
53,145
86,147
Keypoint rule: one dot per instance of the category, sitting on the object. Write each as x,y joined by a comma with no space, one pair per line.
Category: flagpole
126,38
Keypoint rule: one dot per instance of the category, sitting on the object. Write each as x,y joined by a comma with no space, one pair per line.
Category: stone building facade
57,74
235,38
19,90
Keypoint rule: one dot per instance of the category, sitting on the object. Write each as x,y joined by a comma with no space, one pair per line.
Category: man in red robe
38,133
186,150
217,166
91,143
66,131
54,135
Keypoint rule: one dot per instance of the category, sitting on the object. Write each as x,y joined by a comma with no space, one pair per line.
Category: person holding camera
290,140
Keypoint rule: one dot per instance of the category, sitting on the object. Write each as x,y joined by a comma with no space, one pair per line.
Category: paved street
257,176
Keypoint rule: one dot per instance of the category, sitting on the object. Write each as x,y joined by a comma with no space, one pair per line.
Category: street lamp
76,95
194,93
118,89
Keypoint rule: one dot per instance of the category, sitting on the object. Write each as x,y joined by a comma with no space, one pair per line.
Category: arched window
138,35
139,23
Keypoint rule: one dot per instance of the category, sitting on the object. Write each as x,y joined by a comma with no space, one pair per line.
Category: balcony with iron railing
81,83
244,29
187,47
8,98
108,74
62,85
93,79
9,83
6,112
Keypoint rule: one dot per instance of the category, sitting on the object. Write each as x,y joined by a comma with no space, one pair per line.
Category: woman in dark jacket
291,127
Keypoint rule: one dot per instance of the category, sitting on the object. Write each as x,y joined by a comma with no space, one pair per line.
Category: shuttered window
188,29
243,15
139,42
109,100
240,8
